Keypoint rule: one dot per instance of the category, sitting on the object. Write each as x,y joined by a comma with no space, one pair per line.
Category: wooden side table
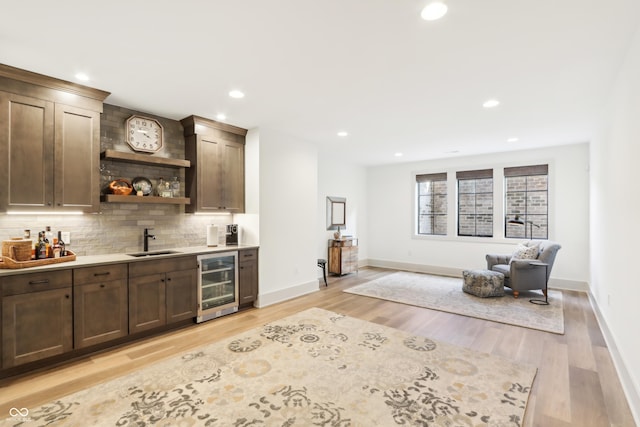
343,256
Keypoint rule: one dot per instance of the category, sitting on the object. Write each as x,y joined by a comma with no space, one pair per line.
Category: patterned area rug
445,294
315,368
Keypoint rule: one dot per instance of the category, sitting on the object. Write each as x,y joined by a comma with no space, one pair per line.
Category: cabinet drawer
247,254
35,282
102,273
165,265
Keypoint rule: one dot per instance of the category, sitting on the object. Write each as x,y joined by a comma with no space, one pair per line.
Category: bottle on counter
61,245
41,247
48,240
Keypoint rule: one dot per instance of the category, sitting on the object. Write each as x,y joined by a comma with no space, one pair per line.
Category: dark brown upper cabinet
215,181
49,143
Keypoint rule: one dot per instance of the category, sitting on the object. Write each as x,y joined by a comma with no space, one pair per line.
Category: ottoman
483,283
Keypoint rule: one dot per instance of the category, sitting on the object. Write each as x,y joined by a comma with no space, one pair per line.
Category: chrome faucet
148,236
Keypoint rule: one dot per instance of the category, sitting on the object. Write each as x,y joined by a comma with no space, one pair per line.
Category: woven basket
17,248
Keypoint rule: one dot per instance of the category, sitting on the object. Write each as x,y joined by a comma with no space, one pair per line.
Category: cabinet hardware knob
67,296
102,285
169,279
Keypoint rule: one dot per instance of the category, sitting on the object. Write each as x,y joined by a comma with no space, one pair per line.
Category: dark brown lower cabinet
167,295
182,295
100,309
248,275
100,312
147,306
36,325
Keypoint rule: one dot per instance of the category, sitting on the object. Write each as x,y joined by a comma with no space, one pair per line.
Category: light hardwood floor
576,384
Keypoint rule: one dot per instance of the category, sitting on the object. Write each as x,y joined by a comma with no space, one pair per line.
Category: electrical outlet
66,237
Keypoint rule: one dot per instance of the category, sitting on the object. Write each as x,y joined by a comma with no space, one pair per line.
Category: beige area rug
445,294
315,368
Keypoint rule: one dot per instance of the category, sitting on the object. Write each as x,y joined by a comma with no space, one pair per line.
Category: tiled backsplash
118,228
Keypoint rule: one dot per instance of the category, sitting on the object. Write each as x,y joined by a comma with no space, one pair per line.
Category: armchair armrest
493,259
529,273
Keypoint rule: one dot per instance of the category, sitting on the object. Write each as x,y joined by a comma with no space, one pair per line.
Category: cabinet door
248,276
100,312
335,260
349,259
147,307
232,161
182,295
36,325
77,144
26,152
210,177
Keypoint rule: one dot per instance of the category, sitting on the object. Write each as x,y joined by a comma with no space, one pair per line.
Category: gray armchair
526,274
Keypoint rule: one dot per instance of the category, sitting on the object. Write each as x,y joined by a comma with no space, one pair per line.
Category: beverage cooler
217,285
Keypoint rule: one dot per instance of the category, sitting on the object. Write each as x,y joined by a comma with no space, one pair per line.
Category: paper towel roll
212,235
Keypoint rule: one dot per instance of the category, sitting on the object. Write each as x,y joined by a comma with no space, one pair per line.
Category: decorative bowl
120,187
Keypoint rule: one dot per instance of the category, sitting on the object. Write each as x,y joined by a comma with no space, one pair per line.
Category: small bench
483,283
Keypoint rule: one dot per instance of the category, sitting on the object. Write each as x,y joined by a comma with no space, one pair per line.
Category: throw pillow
525,252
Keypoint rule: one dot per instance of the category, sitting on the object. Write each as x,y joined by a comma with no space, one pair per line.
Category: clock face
144,134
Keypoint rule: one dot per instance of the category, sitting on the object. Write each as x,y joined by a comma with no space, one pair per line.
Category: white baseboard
286,294
570,285
418,268
633,398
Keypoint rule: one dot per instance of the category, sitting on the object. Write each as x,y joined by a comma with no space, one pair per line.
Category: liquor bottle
62,245
48,240
42,247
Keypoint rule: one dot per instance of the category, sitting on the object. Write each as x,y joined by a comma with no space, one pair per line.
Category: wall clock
144,134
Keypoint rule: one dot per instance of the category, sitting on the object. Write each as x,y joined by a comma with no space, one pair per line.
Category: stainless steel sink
152,253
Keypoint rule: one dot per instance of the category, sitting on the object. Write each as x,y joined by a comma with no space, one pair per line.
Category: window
432,203
475,203
526,202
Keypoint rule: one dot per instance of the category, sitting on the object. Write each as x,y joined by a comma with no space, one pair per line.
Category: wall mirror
336,212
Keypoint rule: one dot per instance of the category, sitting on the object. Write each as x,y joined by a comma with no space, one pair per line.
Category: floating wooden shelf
116,198
121,156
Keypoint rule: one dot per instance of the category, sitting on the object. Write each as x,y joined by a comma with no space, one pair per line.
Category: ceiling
372,68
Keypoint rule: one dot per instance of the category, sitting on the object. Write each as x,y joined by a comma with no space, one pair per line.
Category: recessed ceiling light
398,154
221,117
343,133
434,11
236,94
491,103
82,77
512,140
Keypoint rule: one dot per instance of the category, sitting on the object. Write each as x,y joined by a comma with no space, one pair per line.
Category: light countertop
91,260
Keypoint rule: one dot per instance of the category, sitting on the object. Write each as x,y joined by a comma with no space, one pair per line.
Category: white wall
615,204
340,179
288,182
249,221
391,208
